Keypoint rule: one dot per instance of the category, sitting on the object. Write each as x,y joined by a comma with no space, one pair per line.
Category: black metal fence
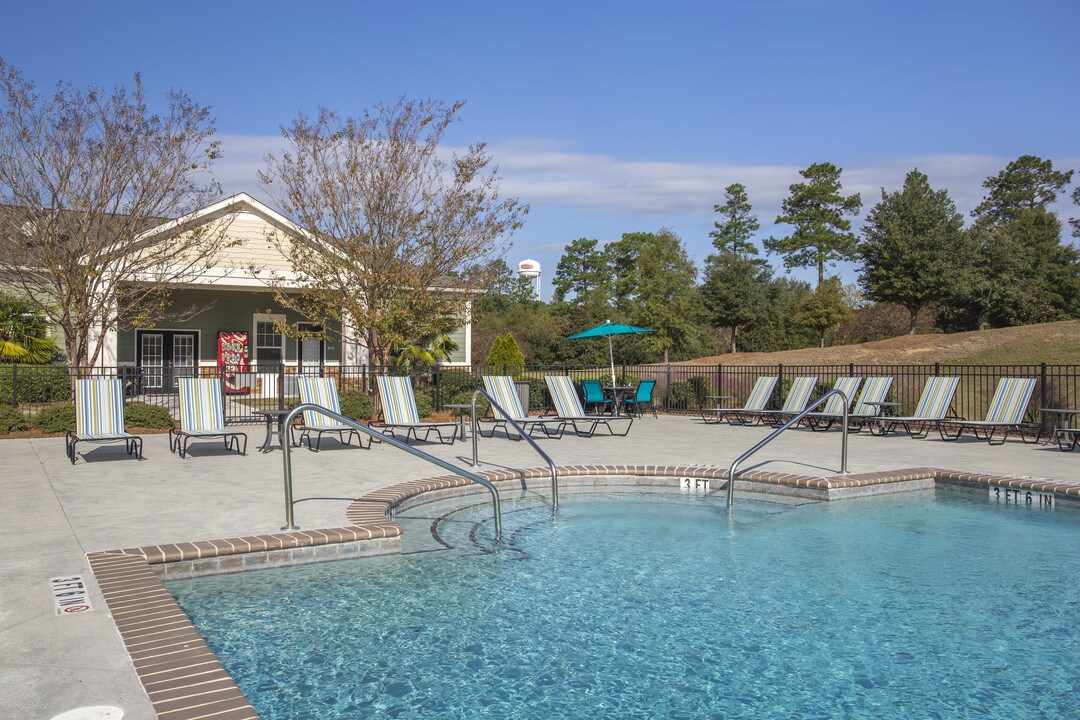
679,388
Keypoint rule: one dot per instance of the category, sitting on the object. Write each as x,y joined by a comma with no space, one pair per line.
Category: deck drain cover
99,712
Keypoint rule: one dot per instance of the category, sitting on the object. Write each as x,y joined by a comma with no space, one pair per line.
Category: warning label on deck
70,595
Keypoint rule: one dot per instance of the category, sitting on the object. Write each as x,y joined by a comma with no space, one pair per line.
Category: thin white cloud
542,172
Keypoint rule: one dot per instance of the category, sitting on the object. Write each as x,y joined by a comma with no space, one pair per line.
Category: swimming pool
651,603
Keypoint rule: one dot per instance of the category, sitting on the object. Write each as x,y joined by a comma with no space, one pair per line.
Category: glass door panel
152,360
183,357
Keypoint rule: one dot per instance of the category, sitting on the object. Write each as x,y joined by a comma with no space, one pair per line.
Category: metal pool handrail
286,455
785,426
544,455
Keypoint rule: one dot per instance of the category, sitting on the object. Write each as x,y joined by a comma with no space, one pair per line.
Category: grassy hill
1053,343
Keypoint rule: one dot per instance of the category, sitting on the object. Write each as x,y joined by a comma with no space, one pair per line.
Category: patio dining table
618,393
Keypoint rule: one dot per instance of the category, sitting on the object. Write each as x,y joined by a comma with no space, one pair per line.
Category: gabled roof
232,204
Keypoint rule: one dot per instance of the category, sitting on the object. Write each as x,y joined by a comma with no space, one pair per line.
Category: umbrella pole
611,356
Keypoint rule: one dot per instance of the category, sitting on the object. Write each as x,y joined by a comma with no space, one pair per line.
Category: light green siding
458,336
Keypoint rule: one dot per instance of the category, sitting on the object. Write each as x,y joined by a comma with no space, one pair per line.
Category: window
269,344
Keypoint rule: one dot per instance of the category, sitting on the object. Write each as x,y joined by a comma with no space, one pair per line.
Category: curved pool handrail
286,455
537,448
785,426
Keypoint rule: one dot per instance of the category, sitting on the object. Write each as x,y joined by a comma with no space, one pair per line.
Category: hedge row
61,418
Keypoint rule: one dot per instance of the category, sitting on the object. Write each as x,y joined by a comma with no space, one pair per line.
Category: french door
165,357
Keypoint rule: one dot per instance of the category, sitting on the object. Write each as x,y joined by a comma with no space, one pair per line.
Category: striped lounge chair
934,404
833,411
749,413
323,392
874,392
399,412
1006,414
99,416
202,415
568,408
797,399
502,389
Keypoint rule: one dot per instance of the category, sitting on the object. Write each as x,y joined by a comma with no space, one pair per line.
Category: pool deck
56,514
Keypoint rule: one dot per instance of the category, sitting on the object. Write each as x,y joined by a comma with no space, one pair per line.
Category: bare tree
87,180
393,230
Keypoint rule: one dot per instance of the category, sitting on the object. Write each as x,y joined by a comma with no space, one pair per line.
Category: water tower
530,270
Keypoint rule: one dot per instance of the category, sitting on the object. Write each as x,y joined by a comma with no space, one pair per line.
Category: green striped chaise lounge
202,416
568,408
934,404
833,411
399,412
749,413
323,392
1006,414
99,416
797,399
502,389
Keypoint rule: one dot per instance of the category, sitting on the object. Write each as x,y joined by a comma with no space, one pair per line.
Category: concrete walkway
55,513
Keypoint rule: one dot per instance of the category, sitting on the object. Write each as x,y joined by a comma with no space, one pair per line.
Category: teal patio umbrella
607,330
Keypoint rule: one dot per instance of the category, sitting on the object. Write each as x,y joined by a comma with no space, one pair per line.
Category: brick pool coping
184,679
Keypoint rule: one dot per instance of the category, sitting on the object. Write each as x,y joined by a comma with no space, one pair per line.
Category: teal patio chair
202,416
568,408
502,389
1006,414
748,414
399,412
933,406
642,398
595,397
99,416
323,392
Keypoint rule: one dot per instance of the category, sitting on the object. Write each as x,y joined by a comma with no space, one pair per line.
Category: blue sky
613,117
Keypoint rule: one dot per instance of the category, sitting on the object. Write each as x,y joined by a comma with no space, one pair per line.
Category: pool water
657,604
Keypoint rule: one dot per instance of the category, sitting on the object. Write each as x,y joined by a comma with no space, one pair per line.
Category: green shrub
35,383
453,383
424,406
506,356
140,414
538,399
55,419
688,394
11,420
464,398
357,405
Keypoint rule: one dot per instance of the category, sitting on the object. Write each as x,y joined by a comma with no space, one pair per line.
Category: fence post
1043,395
779,380
281,386
719,380
851,369
14,385
667,401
